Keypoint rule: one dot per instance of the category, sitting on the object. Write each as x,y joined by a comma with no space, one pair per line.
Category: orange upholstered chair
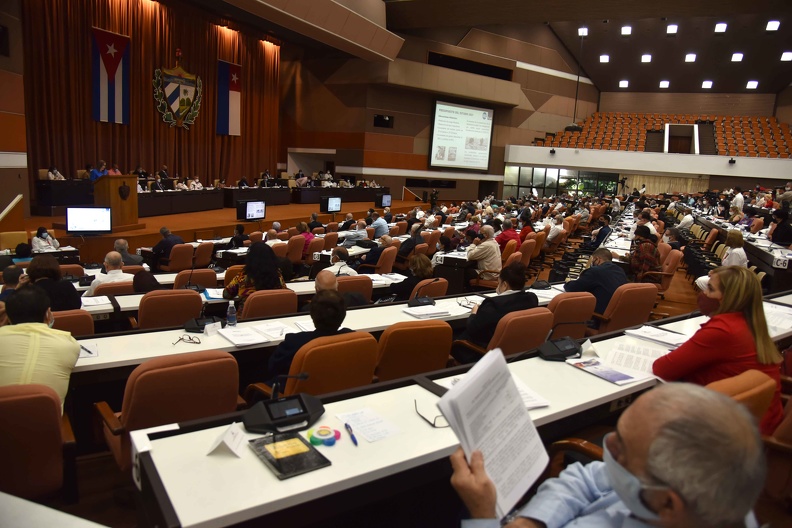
330,240
115,288
511,247
181,258
165,308
256,236
333,363
133,269
266,303
752,388
630,305
663,249
75,270
400,356
356,283
430,288
571,307
402,225
332,227
511,335
280,250
384,263
370,233
77,322
667,271
203,255
232,272
203,277
170,389
37,446
315,246
431,241
295,249
527,249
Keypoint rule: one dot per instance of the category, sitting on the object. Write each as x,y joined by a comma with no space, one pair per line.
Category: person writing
735,339
43,241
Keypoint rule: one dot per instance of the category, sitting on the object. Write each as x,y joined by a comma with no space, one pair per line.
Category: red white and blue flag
229,96
110,59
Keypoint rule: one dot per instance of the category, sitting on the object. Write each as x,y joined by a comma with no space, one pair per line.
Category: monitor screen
383,200
461,136
253,210
330,204
88,220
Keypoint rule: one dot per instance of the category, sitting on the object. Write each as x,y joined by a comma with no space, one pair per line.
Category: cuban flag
229,96
110,59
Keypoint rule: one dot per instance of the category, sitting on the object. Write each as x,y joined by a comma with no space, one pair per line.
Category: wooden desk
313,195
272,196
176,202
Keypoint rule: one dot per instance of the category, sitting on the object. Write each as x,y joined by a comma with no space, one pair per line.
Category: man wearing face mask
30,350
600,234
681,456
780,232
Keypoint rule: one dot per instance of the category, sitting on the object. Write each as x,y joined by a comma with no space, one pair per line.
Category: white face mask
665,239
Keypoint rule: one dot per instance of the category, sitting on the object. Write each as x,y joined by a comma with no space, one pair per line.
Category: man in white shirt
616,205
359,233
686,222
486,252
272,238
645,218
738,200
113,263
339,259
555,230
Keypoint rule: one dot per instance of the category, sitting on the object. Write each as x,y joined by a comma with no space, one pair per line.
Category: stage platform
205,225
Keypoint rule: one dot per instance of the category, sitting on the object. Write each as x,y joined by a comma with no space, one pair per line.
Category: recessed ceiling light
664,84
720,27
773,25
737,57
604,58
752,85
646,58
706,84
786,56
671,29
690,57
582,31
624,84
626,30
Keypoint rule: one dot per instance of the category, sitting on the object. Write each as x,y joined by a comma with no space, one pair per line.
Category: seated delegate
420,268
261,272
44,271
43,241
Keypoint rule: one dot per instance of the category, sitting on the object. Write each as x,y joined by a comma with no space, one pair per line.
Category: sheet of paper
242,336
601,369
658,335
394,277
213,293
634,357
275,330
530,397
306,326
368,424
95,301
89,350
778,318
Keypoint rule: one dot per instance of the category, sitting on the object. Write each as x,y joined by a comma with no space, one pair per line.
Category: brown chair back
10,239
280,250
510,335
370,233
420,249
757,225
527,250
283,235
712,236
181,258
315,246
386,260
357,283
201,277
393,230
292,232
295,250
256,236
398,355
571,307
232,272
509,248
449,232
669,269
334,363
332,227
133,269
663,249
165,308
203,255
318,230
75,270
752,388
402,225
115,288
514,257
31,443
266,303
630,305
330,240
539,240
431,242
430,288
77,322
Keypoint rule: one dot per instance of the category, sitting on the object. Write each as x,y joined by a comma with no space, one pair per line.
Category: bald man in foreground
113,263
326,280
681,456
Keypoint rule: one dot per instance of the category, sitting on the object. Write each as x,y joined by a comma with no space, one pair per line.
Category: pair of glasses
438,422
466,303
188,339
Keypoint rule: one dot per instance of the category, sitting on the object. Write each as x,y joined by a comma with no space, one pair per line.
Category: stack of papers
602,370
95,301
213,293
275,330
427,312
658,335
243,336
306,326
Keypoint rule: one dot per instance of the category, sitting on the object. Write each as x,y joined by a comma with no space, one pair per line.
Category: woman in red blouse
734,340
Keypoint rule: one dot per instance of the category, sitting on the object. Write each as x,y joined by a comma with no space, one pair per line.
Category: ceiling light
604,58
737,57
582,31
720,27
786,56
773,25
672,29
664,84
624,84
690,57
706,85
626,30
646,58
752,85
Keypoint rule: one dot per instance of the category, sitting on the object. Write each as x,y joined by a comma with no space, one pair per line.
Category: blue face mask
627,486
45,235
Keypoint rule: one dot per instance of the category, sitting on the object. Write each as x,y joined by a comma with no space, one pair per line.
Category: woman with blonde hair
735,339
420,269
734,255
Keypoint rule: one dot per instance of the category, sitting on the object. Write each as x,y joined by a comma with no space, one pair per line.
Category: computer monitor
330,204
89,220
383,200
251,210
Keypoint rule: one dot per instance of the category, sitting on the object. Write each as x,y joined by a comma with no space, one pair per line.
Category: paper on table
425,312
486,413
213,293
305,326
633,357
530,397
89,350
777,318
275,330
601,369
658,335
394,277
95,301
242,336
368,424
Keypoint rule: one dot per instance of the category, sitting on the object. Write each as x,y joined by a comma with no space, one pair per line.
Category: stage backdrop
58,84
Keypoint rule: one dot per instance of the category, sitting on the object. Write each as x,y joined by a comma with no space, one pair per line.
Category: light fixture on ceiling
773,25
786,56
752,85
604,58
737,57
664,84
624,84
706,85
573,126
646,58
582,31
690,57
672,29
720,27
626,30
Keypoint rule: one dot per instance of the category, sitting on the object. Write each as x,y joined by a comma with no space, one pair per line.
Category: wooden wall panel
690,103
12,133
395,160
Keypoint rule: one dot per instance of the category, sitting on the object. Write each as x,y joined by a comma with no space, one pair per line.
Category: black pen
88,351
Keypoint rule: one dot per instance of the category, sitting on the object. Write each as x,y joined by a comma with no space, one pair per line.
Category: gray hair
276,226
488,231
708,450
121,245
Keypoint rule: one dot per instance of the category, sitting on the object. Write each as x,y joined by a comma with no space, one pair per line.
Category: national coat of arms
177,94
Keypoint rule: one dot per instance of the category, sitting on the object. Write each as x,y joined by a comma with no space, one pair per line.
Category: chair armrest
67,434
600,317
577,445
70,490
469,344
241,403
133,322
109,418
257,391
367,266
658,273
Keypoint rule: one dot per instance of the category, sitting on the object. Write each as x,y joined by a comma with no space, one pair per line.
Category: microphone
279,380
421,301
194,287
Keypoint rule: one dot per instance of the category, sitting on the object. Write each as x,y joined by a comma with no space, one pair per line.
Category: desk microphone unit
560,349
279,415
422,301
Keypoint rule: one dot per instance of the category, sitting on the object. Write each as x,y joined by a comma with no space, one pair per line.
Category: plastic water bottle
231,317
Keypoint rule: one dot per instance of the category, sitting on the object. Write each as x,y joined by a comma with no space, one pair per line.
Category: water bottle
231,318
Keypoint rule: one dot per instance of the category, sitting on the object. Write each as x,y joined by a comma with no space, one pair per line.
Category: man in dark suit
484,318
349,222
601,279
373,256
314,223
157,184
122,246
163,248
600,234
163,172
328,311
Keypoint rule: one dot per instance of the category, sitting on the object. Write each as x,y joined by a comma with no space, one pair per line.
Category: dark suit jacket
481,325
409,244
314,225
388,217
346,225
62,294
403,289
157,186
164,246
131,260
237,241
601,281
373,256
281,360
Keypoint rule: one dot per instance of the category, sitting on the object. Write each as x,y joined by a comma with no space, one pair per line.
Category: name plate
781,263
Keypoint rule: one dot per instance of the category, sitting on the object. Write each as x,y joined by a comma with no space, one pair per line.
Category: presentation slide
461,136
255,211
88,219
333,205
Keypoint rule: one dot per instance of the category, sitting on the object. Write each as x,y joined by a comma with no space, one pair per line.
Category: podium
124,210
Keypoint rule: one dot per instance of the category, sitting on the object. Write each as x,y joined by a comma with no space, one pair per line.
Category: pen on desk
351,433
87,350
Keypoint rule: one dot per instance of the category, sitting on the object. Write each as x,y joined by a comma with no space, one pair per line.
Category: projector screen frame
89,232
324,204
432,146
241,210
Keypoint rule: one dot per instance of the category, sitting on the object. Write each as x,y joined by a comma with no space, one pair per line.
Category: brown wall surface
784,105
688,103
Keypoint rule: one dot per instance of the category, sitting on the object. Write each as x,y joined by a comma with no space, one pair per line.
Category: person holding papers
261,272
43,241
196,185
681,456
735,339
